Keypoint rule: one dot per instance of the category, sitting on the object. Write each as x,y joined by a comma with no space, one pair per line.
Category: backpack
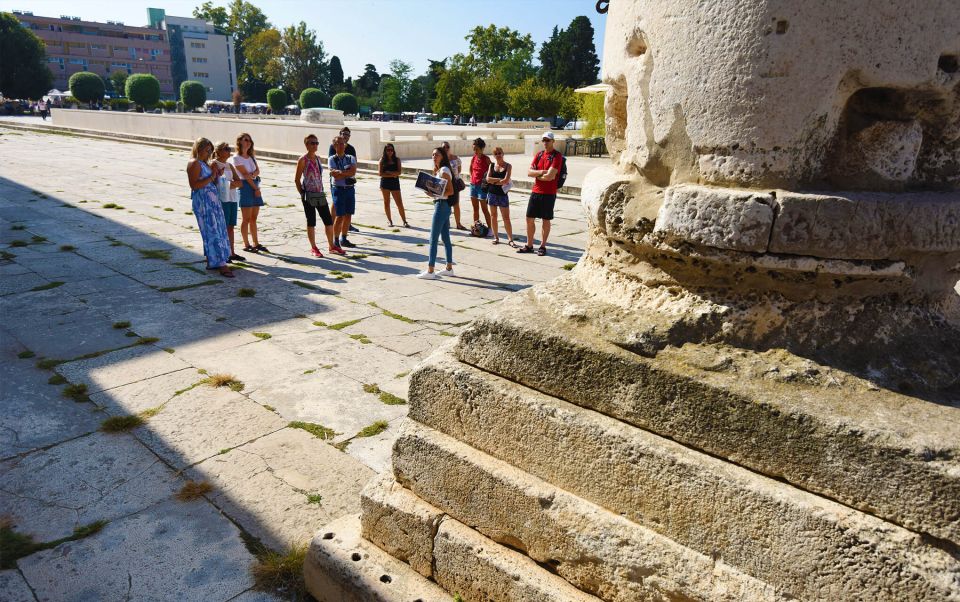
562,176
479,229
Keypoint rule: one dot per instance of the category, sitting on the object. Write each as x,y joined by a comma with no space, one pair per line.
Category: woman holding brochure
440,226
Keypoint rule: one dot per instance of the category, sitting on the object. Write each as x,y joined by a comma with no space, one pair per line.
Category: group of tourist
225,181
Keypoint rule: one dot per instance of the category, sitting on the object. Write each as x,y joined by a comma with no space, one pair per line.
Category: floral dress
213,227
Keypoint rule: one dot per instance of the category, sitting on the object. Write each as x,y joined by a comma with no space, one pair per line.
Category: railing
592,147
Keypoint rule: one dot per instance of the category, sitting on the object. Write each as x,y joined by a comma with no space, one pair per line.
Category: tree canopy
335,74
118,79
23,61
86,87
277,99
143,89
346,102
569,57
302,59
193,94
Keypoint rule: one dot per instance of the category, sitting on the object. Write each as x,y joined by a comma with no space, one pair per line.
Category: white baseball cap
547,136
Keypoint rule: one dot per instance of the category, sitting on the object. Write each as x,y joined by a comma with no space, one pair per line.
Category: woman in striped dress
206,207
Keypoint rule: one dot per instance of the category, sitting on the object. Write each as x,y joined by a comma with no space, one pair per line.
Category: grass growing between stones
246,292
25,355
67,248
305,285
193,490
173,289
340,275
76,392
393,315
362,338
18,243
121,424
154,254
317,430
7,256
314,498
402,374
56,379
17,227
374,429
223,380
281,573
262,335
150,412
387,398
47,286
342,325
569,266
14,546
121,325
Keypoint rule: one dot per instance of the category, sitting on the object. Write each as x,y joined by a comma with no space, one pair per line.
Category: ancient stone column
749,387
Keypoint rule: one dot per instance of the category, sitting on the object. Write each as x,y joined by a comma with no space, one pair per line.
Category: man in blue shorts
343,170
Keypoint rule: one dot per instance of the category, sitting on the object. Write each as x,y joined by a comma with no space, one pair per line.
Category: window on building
197,45
202,74
199,59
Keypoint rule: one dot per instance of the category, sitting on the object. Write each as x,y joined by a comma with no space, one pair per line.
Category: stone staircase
542,462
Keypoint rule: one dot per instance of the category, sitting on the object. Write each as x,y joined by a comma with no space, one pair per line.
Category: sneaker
425,275
316,252
447,273
337,251
346,243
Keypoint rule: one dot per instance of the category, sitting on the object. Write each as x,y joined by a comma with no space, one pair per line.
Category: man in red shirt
479,166
544,170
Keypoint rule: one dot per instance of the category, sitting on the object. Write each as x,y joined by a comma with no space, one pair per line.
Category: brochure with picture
432,185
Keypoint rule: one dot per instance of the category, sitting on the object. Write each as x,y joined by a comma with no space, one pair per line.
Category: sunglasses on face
246,140
312,142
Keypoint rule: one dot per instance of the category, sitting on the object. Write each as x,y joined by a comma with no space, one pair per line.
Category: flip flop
512,244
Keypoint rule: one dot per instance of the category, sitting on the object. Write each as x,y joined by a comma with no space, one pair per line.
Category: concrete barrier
274,135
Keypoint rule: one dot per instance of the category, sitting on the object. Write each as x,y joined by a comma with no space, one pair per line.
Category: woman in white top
229,204
250,198
440,226
455,165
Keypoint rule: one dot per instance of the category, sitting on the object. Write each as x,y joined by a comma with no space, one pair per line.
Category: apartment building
198,52
74,45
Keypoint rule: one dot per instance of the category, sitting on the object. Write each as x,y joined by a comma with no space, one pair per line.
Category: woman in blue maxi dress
206,207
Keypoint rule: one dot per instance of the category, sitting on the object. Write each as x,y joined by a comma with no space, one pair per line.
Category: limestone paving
103,295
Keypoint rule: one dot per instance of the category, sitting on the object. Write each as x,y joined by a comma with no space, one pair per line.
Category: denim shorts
498,200
230,213
477,192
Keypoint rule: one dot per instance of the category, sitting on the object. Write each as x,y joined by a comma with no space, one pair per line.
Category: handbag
316,199
458,184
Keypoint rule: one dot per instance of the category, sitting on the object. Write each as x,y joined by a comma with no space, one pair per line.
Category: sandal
250,249
406,225
496,241
542,251
461,227
261,248
525,249
513,245
226,272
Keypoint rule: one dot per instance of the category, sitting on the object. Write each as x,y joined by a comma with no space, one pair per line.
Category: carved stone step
887,454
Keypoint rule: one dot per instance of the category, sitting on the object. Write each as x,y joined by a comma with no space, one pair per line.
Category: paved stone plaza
102,271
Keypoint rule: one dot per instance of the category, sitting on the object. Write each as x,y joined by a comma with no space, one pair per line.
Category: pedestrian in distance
309,182
544,170
498,179
389,167
455,164
229,193
479,166
440,224
251,199
343,168
206,207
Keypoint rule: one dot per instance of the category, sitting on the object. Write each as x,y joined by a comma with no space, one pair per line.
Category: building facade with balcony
199,53
74,45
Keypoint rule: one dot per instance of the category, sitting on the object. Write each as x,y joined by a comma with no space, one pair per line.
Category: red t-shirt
478,168
548,160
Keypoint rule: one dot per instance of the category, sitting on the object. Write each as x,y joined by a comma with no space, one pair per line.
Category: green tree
303,59
143,89
335,74
400,72
118,79
312,98
391,96
485,97
262,53
368,83
569,57
532,99
448,91
500,52
277,99
346,102
192,94
23,61
213,14
86,87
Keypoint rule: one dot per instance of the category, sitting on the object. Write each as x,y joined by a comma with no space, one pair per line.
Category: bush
168,105
119,104
86,87
594,115
70,100
277,99
193,94
346,102
312,98
143,89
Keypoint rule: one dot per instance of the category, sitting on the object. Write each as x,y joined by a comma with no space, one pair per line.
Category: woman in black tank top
498,177
390,183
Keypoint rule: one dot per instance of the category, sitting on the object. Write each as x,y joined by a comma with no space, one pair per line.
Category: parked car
422,120
574,125
446,121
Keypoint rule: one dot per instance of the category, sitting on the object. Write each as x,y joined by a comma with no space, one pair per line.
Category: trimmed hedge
346,102
277,99
86,86
193,94
143,89
312,98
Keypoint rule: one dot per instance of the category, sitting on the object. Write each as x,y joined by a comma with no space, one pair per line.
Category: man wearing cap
544,170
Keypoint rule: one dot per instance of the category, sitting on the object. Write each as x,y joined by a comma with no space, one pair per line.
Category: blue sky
364,31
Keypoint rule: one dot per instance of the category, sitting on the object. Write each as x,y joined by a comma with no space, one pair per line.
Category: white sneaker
447,273
427,275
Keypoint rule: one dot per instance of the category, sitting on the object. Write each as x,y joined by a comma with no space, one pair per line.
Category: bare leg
456,215
245,225
505,212
386,204
546,232
254,213
476,209
493,226
331,240
531,230
486,211
230,238
398,199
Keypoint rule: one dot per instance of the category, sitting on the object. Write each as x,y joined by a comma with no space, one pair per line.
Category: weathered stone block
786,537
739,220
888,454
595,550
